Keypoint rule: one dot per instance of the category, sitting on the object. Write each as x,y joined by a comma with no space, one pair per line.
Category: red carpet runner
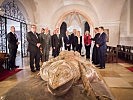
6,73
130,68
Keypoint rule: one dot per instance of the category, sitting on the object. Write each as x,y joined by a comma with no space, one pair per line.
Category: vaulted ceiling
104,10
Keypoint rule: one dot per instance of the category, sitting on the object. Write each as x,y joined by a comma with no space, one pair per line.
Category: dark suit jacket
56,42
96,38
52,40
12,41
76,41
73,39
32,41
102,40
67,40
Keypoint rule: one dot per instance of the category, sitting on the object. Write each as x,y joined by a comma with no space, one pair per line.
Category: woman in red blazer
87,42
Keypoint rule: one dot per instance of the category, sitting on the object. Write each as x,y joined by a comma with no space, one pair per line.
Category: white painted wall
126,26
50,13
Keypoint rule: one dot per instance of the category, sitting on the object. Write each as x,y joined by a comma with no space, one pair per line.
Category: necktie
15,35
36,35
58,36
68,37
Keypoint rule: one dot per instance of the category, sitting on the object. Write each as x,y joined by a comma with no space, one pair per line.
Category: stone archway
86,17
90,16
62,17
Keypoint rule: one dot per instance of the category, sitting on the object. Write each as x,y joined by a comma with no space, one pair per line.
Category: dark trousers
102,57
78,48
52,52
95,57
12,57
67,48
87,47
56,51
35,57
73,47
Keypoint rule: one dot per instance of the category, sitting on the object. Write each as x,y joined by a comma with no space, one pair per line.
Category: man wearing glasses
34,48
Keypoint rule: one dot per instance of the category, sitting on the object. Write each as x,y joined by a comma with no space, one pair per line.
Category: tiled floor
117,77
117,82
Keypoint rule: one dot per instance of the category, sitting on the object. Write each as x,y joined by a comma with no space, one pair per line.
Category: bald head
12,29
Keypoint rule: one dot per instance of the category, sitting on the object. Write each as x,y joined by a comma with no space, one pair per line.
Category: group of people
99,49
39,45
74,40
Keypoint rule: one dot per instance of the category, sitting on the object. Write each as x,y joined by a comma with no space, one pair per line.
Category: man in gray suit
45,40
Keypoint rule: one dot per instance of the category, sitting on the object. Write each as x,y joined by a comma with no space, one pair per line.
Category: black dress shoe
16,66
33,70
102,68
98,66
12,69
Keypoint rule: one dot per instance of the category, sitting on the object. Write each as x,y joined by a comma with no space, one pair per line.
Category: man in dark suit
95,57
56,43
73,40
41,52
34,48
12,45
101,44
52,42
67,41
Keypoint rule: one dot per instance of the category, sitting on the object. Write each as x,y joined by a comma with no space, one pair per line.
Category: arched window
63,29
86,27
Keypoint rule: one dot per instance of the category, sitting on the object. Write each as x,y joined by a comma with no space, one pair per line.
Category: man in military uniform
45,40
